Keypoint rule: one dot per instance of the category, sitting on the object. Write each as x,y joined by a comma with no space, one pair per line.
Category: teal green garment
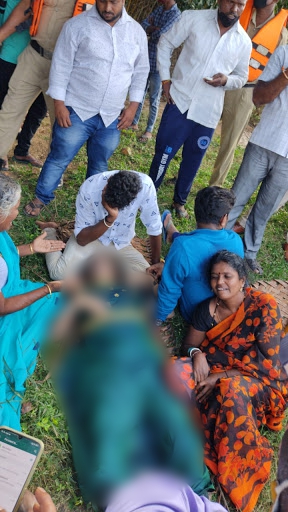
21,334
122,418
17,42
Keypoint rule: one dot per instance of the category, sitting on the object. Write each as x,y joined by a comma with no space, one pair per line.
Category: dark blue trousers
176,130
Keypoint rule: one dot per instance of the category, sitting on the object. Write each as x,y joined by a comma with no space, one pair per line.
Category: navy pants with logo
176,130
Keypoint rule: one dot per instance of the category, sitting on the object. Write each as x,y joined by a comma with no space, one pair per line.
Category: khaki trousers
237,109
30,77
61,265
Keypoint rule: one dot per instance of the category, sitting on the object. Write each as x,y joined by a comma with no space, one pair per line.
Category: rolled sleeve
149,210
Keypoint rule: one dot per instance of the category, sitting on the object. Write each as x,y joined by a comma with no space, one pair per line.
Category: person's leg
237,109
6,71
141,105
253,169
23,89
34,117
101,145
155,88
134,258
65,144
273,188
173,131
194,149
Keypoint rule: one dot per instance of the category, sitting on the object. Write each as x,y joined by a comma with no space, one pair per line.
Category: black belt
44,53
249,85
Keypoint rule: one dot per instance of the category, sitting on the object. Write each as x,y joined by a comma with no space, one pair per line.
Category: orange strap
246,15
82,6
265,43
37,6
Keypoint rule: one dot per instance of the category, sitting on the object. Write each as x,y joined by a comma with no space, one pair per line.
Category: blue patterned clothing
90,211
164,20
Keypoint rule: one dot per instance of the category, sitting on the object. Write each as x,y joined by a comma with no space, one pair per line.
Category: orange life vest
265,42
37,6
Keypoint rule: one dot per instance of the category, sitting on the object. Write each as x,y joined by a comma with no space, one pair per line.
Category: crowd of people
146,429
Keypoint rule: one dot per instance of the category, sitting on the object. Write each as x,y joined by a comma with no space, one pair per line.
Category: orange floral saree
235,450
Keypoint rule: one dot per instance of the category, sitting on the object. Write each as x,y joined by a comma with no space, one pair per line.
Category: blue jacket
186,271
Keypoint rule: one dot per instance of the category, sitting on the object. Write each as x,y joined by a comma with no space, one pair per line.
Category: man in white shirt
106,211
265,160
214,58
100,55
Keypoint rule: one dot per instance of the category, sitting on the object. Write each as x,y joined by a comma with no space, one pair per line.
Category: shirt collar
124,18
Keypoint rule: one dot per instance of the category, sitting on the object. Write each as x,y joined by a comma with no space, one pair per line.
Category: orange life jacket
265,42
37,6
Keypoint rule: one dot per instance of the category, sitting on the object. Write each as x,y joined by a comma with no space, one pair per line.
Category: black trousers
36,113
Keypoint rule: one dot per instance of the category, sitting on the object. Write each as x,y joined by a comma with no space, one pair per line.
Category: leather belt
44,53
249,85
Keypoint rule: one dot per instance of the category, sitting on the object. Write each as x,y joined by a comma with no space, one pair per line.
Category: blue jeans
155,88
269,170
66,142
176,130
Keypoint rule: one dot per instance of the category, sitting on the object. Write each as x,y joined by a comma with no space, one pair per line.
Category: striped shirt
271,132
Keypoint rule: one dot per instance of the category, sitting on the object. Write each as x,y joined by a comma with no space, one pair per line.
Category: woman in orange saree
237,379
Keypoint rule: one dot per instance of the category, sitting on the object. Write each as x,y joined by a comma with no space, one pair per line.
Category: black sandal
34,206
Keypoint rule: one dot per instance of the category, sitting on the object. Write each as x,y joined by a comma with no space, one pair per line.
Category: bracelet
284,73
49,289
158,322
166,81
107,225
17,251
162,260
31,249
192,351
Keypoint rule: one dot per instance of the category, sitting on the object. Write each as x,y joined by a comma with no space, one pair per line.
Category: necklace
214,314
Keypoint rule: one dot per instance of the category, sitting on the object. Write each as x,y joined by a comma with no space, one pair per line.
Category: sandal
165,229
35,207
180,211
254,266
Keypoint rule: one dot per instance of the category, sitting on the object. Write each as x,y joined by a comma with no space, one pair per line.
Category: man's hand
218,80
200,367
151,29
127,116
112,212
166,90
156,270
45,503
41,245
62,114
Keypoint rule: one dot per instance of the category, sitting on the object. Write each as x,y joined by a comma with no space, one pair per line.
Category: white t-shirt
3,272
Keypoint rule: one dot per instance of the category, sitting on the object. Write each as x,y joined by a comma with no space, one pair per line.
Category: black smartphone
19,455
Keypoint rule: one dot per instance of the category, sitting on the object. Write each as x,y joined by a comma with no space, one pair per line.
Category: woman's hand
42,246
200,367
206,386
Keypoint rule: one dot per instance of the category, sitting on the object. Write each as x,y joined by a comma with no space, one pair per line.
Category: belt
44,53
249,85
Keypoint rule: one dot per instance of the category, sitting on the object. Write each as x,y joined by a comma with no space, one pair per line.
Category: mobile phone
208,78
19,455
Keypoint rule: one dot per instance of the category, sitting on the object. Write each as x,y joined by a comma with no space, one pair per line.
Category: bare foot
134,127
33,209
44,224
145,137
170,228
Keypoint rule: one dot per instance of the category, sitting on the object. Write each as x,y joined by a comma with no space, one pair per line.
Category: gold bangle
107,225
165,81
49,289
162,260
284,73
31,249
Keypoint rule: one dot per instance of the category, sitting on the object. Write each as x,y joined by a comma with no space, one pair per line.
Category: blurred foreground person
25,307
122,418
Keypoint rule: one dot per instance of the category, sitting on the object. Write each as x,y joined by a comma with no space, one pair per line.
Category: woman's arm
193,338
12,304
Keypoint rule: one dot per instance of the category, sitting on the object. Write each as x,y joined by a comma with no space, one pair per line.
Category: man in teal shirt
10,49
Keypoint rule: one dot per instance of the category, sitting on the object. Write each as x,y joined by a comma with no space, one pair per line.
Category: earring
241,289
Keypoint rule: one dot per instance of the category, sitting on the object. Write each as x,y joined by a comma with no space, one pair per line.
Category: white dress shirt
89,210
272,131
205,53
95,65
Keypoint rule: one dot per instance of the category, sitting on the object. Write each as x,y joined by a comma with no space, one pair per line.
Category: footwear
180,210
28,159
285,248
165,229
35,206
237,228
144,139
3,165
254,266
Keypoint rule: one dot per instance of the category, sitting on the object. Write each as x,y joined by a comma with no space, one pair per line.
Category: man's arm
273,80
169,41
175,15
155,243
16,17
150,217
93,232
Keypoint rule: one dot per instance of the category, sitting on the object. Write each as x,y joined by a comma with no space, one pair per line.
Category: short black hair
212,203
122,188
232,259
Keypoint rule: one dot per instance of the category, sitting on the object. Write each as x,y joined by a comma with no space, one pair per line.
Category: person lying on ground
237,381
25,307
106,209
184,277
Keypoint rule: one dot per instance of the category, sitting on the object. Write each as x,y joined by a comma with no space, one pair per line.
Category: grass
55,471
